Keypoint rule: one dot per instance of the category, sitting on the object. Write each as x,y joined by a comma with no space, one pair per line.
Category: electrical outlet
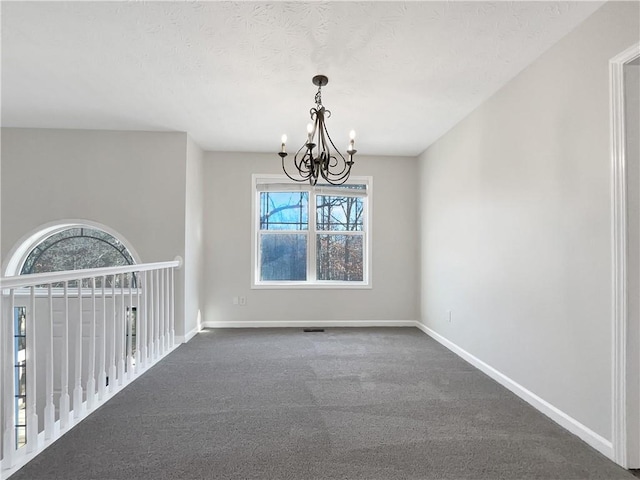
243,301
449,315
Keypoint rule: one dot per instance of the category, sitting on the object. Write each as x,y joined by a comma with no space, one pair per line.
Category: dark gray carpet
375,404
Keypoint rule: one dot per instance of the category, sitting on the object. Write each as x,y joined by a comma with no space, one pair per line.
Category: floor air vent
313,330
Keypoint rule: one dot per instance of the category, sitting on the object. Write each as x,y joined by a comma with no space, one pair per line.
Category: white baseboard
598,442
184,339
310,323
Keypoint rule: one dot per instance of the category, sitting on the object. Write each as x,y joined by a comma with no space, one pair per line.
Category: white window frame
277,182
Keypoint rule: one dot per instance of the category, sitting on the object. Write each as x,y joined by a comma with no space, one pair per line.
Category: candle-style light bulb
284,141
352,136
309,132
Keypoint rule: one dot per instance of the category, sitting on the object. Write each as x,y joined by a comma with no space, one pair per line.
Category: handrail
34,279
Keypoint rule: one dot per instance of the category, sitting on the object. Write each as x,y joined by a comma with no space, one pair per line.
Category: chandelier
318,157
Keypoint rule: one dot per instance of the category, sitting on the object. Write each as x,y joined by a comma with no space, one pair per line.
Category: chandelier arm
326,148
336,178
293,178
305,172
301,166
290,177
322,142
333,162
311,165
334,146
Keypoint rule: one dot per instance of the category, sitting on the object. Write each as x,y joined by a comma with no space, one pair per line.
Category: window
311,236
75,249
79,248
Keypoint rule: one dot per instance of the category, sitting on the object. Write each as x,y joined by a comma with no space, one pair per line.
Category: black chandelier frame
328,163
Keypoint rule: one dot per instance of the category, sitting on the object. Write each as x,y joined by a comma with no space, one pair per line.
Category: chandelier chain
319,96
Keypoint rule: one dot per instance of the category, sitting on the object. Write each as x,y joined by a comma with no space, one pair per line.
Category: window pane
21,343
284,210
340,257
339,213
283,257
132,318
21,384
78,253
21,325
21,436
77,248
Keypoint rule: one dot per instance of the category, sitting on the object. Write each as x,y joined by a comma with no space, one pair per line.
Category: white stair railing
98,328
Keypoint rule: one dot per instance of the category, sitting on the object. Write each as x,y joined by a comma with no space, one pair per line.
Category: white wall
227,223
516,224
133,182
193,239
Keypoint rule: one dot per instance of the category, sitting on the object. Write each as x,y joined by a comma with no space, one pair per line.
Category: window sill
311,286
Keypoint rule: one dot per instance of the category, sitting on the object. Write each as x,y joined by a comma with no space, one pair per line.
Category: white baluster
139,326
144,335
130,331
64,364
121,332
112,341
156,296
8,372
162,311
49,409
154,315
167,313
91,379
77,390
172,309
32,414
102,368
149,319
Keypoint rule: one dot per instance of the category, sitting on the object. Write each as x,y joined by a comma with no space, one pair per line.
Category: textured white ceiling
236,75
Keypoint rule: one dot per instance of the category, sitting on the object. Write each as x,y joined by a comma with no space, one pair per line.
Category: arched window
76,248
73,246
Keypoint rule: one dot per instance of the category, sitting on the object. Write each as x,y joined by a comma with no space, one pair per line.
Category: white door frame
621,430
